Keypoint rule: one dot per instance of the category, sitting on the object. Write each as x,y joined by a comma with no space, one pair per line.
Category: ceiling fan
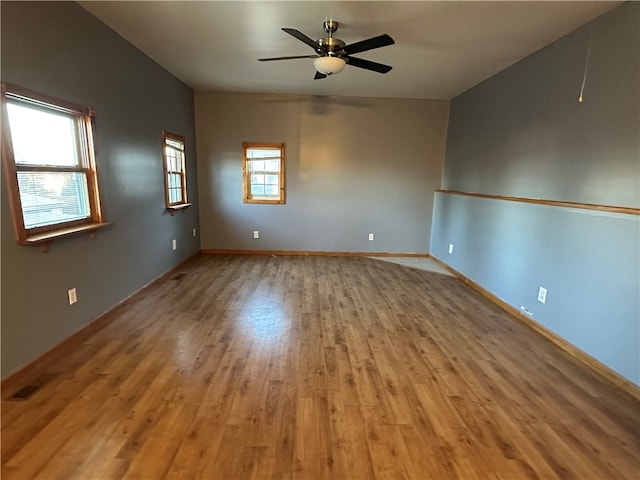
332,54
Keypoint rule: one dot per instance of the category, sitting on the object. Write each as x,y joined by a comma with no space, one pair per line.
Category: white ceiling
442,48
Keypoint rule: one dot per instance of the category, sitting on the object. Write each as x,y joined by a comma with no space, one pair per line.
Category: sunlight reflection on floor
416,262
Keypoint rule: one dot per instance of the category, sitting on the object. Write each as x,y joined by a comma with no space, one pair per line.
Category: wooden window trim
45,100
184,203
84,116
246,178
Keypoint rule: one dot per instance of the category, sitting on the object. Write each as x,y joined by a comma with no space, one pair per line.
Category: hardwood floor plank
423,455
312,367
389,454
351,437
229,461
313,451
199,444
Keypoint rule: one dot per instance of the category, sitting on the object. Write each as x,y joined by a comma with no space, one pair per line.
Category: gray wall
353,166
523,133
61,50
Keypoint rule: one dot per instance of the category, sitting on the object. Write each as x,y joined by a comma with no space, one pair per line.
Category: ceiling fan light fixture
329,65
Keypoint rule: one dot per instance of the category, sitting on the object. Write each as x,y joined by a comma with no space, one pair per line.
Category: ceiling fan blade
369,44
286,58
319,75
303,38
368,64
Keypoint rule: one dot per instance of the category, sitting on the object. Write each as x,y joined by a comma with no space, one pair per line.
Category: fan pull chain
586,66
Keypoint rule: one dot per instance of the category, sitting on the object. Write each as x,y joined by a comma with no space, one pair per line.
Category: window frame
172,206
84,118
246,176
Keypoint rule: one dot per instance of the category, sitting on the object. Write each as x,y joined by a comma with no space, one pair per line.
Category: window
50,166
263,172
175,179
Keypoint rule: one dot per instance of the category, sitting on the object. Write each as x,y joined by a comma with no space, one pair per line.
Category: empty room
320,240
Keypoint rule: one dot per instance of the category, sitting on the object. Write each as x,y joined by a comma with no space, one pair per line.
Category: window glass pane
257,189
175,180
263,152
53,197
271,179
272,166
257,178
170,160
271,189
42,137
175,195
174,160
256,166
174,143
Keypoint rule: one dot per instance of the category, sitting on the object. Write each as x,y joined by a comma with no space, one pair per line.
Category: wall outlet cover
73,296
542,295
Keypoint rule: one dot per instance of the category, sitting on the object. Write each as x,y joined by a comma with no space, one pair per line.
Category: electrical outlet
174,244
73,296
256,234
526,310
194,232
542,295
371,237
450,248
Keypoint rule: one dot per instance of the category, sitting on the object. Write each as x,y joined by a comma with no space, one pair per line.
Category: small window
175,178
49,160
263,172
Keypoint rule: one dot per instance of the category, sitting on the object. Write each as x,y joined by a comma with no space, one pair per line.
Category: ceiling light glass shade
329,65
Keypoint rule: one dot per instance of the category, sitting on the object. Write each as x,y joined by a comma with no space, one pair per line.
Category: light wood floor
317,368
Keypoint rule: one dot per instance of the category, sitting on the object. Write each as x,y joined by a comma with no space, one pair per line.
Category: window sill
174,208
256,201
44,239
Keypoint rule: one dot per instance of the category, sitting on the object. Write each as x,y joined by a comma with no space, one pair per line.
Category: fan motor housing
330,45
